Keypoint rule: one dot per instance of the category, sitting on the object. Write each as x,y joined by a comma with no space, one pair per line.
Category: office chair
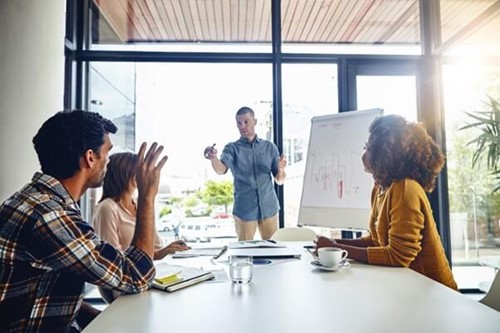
294,234
492,297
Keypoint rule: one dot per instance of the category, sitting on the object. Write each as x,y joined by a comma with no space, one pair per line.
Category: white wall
31,82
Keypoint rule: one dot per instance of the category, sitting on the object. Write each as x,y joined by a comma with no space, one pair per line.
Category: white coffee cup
331,256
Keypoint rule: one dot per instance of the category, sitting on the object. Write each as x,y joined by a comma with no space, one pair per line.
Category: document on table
167,280
248,244
270,253
197,252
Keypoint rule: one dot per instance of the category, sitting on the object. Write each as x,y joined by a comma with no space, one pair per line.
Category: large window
308,91
184,107
474,209
177,71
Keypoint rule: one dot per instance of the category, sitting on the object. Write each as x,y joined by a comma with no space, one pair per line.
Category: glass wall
177,71
308,91
474,209
184,107
398,96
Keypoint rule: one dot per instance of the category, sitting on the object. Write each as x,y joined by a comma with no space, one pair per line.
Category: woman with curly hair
404,162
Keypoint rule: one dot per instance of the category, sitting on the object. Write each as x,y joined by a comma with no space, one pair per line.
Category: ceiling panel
303,21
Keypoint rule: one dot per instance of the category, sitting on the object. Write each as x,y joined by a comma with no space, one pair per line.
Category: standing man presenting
254,163
48,251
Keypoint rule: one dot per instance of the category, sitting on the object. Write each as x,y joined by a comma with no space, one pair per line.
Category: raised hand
149,169
210,152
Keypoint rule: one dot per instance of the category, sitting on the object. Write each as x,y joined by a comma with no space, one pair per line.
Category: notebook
186,276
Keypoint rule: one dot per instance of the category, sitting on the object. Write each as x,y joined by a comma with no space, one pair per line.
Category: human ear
89,157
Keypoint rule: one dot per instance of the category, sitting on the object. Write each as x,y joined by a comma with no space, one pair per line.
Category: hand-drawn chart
335,182
336,179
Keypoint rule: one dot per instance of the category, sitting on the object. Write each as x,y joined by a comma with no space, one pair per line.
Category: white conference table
293,296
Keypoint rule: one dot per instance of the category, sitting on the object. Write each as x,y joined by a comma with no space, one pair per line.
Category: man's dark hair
66,136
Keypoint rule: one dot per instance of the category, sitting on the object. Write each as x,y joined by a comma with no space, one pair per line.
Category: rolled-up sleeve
62,241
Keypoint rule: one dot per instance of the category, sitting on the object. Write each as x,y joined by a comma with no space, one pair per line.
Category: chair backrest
492,298
294,234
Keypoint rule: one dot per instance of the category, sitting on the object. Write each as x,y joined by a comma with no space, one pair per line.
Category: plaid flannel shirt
48,252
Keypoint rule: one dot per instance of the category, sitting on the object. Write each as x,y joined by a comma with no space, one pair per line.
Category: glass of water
240,269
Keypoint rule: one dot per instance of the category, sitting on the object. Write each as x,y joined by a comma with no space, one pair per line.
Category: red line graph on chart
335,178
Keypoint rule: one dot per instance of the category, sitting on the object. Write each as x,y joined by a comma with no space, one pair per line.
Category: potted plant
487,142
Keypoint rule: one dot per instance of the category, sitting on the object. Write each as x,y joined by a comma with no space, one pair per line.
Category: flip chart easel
336,189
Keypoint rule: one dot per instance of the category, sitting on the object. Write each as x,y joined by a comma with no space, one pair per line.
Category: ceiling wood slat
210,19
268,31
300,15
226,19
288,14
399,22
142,30
342,16
187,17
303,21
323,17
185,20
172,18
150,16
358,22
329,22
190,9
377,23
312,20
219,20
479,20
260,20
162,22
250,33
116,18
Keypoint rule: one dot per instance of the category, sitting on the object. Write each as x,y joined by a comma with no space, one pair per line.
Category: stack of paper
197,252
262,249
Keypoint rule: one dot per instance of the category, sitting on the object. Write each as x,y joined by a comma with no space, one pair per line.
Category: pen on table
224,249
309,249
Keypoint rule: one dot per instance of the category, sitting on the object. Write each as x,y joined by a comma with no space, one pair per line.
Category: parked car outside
168,222
206,229
222,215
195,230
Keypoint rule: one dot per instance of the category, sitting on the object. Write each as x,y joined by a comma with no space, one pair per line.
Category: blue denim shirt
253,165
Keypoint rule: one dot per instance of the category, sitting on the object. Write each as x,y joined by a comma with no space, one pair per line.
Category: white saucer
344,265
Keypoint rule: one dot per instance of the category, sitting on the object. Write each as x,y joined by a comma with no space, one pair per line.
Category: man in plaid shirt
48,251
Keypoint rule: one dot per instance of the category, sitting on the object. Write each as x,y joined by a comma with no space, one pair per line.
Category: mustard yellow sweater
404,233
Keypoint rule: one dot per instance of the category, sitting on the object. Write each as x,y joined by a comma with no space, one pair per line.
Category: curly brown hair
398,149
